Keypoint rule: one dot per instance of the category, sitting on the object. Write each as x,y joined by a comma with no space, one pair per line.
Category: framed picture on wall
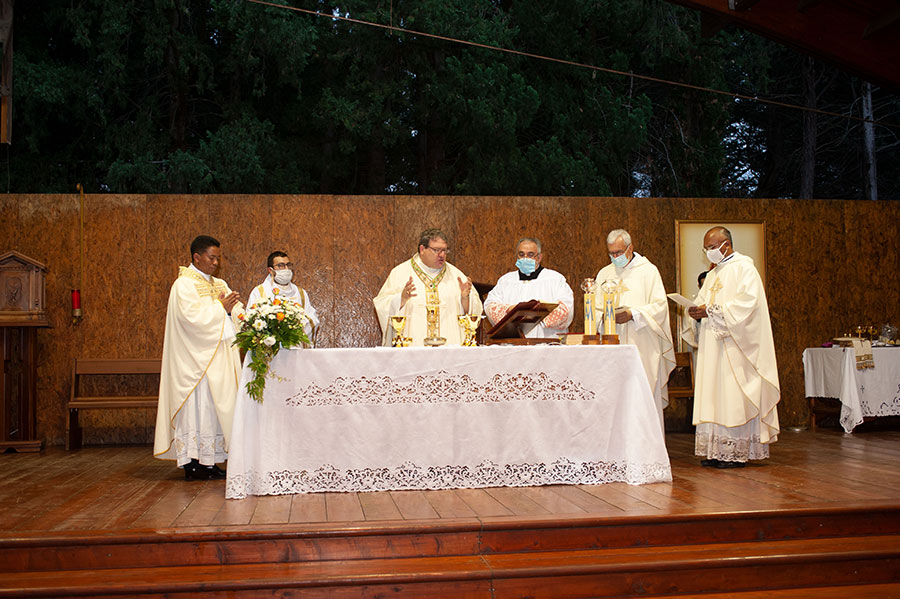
748,238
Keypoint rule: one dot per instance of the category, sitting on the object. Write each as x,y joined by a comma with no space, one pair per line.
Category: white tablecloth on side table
831,372
380,419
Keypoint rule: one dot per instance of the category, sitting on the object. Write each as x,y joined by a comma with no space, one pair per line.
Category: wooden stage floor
124,488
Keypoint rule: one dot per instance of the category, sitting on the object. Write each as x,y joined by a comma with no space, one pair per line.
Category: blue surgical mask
526,266
619,261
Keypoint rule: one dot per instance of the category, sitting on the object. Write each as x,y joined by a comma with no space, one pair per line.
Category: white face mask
284,276
715,256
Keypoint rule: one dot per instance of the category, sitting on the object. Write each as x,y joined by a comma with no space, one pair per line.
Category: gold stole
431,284
211,288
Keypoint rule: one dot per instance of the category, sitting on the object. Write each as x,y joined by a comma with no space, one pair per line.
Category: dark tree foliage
229,96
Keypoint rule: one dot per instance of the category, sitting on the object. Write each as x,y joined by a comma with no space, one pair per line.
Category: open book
681,300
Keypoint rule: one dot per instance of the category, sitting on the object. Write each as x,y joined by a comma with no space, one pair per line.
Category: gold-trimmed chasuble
432,303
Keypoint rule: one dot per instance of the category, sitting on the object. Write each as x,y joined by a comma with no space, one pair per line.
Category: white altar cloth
379,419
831,372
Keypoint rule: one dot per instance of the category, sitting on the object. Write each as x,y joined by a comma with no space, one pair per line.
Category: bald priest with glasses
426,273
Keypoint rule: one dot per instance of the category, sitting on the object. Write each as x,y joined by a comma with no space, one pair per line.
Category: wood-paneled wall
832,264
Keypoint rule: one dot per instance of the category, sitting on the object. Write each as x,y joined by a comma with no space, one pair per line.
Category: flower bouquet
267,327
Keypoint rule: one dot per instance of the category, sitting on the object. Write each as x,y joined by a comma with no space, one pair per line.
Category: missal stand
523,317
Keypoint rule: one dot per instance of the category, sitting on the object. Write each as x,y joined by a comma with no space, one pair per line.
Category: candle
76,299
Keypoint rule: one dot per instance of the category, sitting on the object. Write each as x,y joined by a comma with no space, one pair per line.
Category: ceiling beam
882,22
741,5
833,32
805,5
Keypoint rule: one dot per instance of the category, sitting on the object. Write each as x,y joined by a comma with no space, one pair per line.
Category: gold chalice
398,323
469,323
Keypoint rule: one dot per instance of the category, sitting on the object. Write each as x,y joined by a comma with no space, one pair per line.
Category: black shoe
710,463
731,464
215,471
195,471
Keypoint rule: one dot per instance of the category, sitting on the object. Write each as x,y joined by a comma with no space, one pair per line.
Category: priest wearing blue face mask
531,281
643,317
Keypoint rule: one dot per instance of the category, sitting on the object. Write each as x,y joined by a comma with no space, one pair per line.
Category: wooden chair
83,367
681,384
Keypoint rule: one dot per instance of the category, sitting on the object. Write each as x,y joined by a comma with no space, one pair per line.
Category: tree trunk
869,162
808,156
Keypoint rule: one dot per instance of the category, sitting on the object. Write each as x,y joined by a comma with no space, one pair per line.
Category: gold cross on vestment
717,286
620,289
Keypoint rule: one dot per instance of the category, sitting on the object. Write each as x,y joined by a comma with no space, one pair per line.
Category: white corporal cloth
832,372
378,419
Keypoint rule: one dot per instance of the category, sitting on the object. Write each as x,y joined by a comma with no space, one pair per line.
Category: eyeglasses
286,265
439,251
706,249
618,253
531,255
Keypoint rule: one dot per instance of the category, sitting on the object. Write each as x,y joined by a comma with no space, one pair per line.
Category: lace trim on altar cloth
441,387
412,476
886,408
729,449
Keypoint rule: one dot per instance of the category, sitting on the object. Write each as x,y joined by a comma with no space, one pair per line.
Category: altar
378,419
872,392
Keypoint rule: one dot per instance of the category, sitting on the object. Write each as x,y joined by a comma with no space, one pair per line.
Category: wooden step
636,571
399,539
858,591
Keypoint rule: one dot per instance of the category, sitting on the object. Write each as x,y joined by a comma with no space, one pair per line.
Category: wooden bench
83,367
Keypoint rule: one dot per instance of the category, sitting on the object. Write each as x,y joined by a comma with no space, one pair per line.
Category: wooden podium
21,314
518,321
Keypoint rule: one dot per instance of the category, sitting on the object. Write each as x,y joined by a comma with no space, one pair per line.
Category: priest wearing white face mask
531,281
281,273
644,322
736,391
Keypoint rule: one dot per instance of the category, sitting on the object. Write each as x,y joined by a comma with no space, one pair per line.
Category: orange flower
241,316
276,301
276,291
279,315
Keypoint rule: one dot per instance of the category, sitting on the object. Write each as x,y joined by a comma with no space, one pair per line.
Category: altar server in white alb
410,283
200,367
279,283
644,321
531,281
736,391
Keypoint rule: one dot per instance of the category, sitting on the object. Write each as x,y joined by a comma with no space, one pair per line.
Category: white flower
270,341
259,324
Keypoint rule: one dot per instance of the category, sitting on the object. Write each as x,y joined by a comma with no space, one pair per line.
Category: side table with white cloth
872,392
379,419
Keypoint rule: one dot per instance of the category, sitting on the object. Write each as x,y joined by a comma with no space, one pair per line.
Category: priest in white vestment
643,318
426,274
531,281
736,389
200,367
279,282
